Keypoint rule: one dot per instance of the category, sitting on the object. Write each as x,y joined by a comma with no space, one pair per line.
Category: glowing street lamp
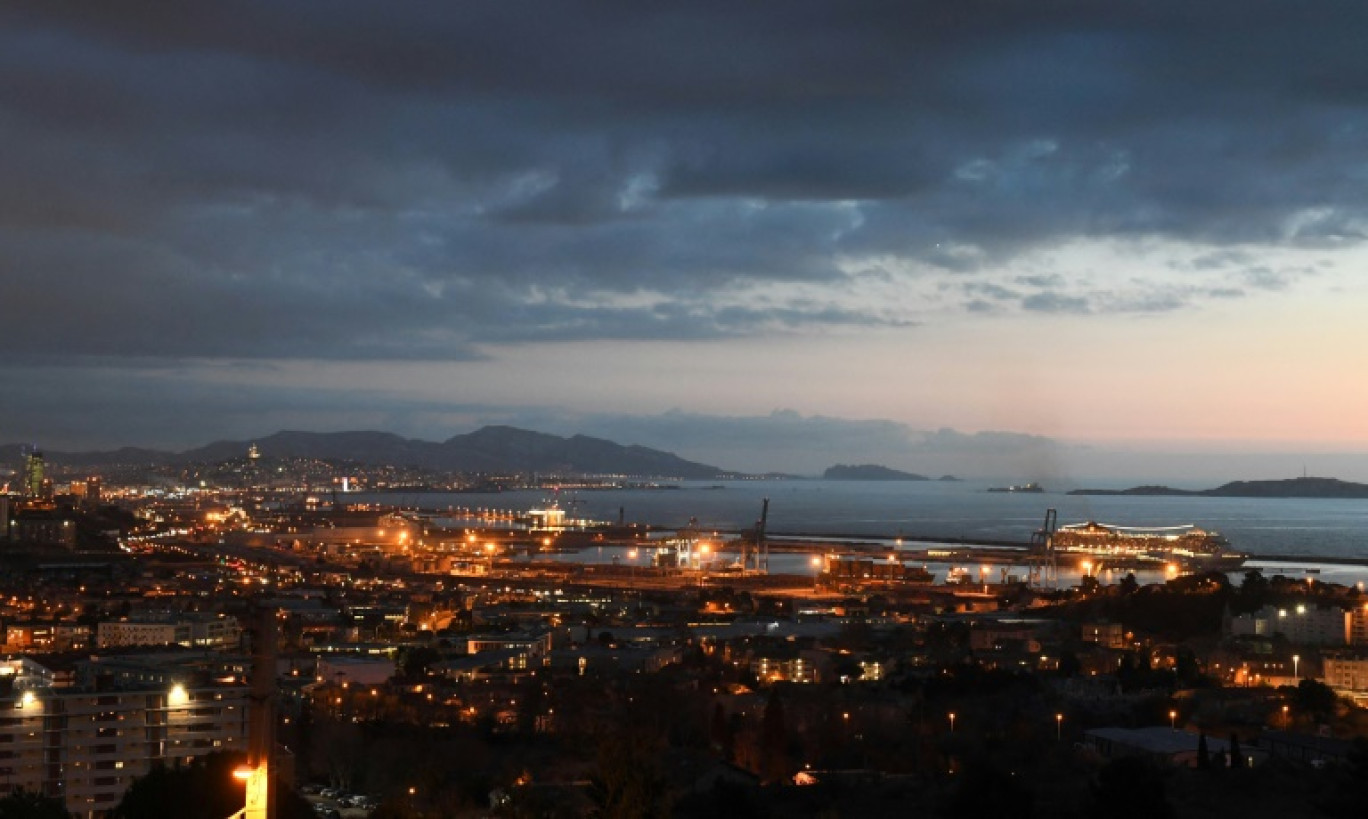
1059,727
952,721
1173,720
816,563
1296,659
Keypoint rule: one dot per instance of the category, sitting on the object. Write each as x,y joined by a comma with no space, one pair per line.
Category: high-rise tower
34,470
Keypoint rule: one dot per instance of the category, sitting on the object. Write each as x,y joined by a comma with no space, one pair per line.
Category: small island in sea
870,472
1286,488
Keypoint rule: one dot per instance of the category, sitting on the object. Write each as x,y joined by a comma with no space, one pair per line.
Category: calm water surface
934,509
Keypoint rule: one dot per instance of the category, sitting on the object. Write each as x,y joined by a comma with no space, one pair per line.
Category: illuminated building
87,745
1345,670
1300,624
188,630
34,472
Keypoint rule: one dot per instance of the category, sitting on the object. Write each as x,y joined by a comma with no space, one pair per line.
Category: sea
912,514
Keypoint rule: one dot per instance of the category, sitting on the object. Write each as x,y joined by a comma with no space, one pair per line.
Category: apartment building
189,630
86,745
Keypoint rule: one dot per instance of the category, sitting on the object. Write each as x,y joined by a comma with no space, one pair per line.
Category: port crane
1044,567
754,549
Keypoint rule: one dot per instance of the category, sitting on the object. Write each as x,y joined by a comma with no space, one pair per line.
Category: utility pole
261,718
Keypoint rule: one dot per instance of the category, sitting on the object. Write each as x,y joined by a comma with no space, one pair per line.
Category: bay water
885,511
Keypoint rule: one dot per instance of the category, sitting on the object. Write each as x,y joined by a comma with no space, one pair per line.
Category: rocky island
869,472
1287,488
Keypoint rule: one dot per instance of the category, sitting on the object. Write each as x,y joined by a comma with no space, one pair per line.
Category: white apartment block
1300,624
1345,672
218,631
1358,625
532,648
86,747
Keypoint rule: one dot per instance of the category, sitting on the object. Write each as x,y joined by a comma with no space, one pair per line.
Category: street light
952,722
816,563
1173,720
1296,659
1059,727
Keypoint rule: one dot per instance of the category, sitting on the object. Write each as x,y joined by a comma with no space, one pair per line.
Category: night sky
766,235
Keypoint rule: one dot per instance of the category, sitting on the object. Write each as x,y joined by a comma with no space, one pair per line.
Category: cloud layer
343,180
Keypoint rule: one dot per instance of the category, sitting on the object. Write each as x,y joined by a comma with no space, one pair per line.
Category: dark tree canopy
203,789
1129,788
23,804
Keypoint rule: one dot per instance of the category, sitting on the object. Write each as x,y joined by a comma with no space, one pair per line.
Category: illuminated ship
1140,546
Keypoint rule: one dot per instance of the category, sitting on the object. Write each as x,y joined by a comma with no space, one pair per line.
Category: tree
1129,788
24,804
774,740
204,789
723,737
986,790
1069,664
1315,698
627,782
415,661
1254,592
1348,791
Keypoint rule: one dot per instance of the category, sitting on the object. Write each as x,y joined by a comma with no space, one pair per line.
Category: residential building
86,745
1301,624
189,630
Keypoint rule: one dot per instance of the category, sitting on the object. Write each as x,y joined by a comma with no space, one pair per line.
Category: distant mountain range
1288,488
496,449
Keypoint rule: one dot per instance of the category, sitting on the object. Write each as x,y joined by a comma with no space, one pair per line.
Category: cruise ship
1187,546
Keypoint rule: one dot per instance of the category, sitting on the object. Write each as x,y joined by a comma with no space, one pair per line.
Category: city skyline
714,230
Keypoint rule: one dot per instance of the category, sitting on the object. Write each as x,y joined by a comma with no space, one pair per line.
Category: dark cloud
356,180
1052,302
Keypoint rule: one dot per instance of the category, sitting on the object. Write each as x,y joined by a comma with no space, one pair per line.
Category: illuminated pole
261,718
952,722
1296,660
1173,720
1059,727
816,572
